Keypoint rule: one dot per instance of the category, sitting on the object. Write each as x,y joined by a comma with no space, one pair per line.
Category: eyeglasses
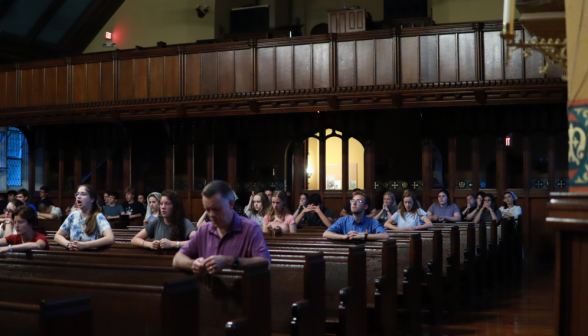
353,201
81,194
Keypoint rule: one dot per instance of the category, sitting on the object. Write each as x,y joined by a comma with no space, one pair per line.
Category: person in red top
26,238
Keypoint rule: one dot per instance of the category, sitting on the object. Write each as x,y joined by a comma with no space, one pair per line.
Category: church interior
374,101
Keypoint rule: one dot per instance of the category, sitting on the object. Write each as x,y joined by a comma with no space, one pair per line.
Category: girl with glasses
7,224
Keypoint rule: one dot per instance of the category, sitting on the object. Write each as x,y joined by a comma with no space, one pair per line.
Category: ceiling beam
43,20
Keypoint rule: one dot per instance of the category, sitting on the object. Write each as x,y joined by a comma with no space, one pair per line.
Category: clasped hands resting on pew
211,265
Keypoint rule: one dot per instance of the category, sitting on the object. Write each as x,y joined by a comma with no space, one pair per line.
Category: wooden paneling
26,88
243,71
284,70
226,72
62,83
11,93
429,70
321,65
141,74
79,83
93,82
409,63
385,61
493,61
448,58
50,85
106,81
302,66
156,77
266,69
346,64
192,76
126,80
514,68
172,76
3,88
209,69
365,62
467,56
39,86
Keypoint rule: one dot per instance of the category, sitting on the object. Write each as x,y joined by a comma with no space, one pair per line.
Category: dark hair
315,199
11,192
264,205
24,192
480,193
130,190
361,193
45,189
92,222
446,194
113,193
493,200
356,190
41,207
27,213
16,204
514,202
305,194
473,196
414,208
178,215
216,187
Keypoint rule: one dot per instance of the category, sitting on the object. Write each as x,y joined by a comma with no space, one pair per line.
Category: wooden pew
309,315
69,317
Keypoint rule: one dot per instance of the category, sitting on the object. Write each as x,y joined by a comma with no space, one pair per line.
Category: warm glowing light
309,169
108,36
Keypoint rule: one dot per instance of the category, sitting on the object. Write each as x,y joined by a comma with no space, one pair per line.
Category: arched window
13,158
336,148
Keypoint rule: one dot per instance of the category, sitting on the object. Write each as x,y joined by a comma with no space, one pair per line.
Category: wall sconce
202,12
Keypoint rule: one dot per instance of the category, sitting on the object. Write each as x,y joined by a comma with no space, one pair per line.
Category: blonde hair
391,195
272,212
414,208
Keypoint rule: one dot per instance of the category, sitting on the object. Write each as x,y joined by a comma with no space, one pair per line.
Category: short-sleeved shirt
112,210
74,225
446,211
17,239
384,216
56,211
244,239
346,224
158,230
47,201
313,219
284,224
410,218
133,208
255,217
516,211
151,218
487,217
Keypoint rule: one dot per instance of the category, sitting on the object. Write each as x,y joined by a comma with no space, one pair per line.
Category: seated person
479,203
510,209
172,230
153,208
23,196
7,226
236,208
113,210
11,195
301,205
132,208
86,228
488,212
228,241
358,226
48,212
409,217
269,194
141,199
315,214
388,208
278,215
371,211
444,210
25,239
257,208
43,192
470,207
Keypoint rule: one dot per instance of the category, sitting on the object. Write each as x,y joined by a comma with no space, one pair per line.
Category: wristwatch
236,263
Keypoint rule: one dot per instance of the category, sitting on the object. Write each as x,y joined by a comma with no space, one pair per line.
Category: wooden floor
526,311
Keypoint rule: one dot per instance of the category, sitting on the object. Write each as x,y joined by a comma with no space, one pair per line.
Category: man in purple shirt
227,241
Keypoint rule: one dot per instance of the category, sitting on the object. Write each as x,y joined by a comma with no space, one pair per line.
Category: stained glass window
14,157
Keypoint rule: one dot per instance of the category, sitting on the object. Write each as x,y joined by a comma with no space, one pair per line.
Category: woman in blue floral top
87,228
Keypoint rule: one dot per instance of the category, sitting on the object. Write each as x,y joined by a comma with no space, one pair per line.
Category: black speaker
403,9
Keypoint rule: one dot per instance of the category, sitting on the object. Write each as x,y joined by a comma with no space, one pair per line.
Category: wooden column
298,171
345,172
451,167
232,165
322,164
31,169
476,163
61,172
190,173
109,168
479,42
551,161
77,167
209,163
169,167
127,165
46,167
500,167
427,173
527,186
370,169
93,167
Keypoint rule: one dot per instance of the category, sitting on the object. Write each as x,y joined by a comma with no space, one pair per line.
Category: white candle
508,17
